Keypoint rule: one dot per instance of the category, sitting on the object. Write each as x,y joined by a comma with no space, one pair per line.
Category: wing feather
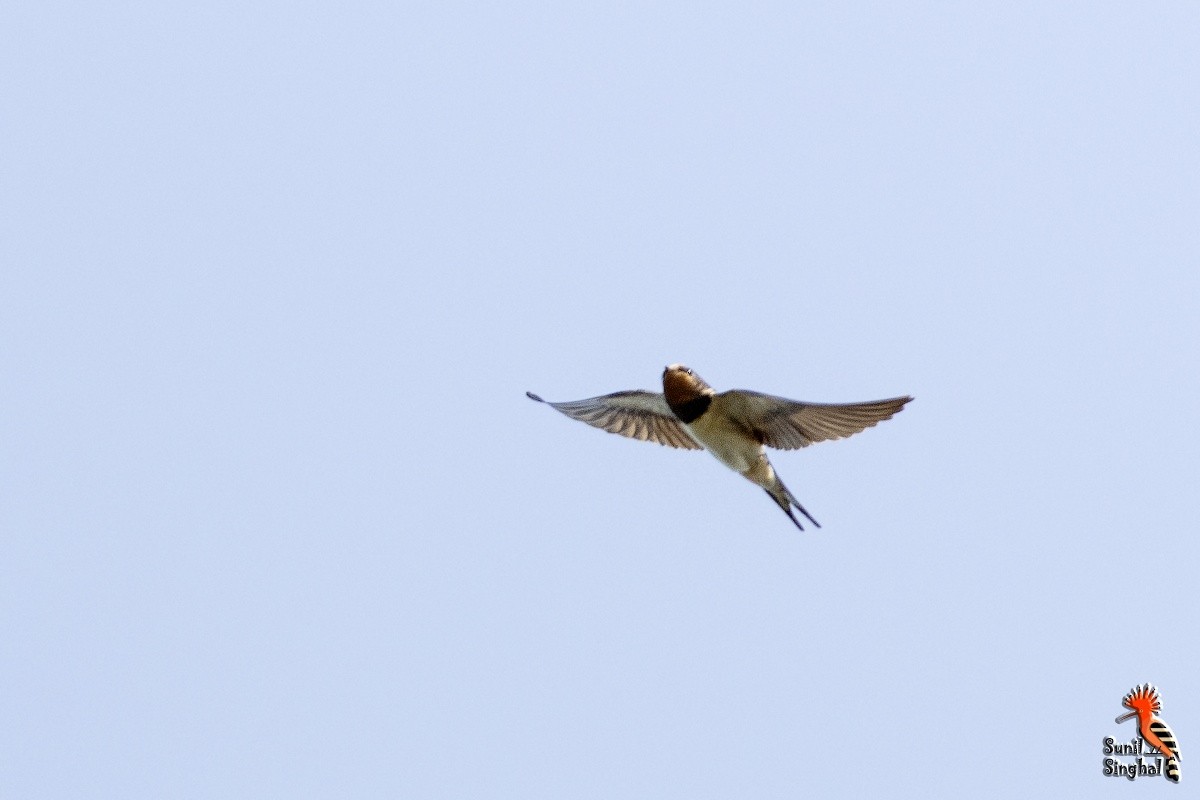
637,414
789,424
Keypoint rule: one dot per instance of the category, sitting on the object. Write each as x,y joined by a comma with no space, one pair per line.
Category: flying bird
735,426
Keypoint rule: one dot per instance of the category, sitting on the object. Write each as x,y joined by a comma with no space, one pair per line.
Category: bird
1146,704
735,426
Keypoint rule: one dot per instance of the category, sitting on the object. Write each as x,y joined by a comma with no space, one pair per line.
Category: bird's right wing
788,424
636,414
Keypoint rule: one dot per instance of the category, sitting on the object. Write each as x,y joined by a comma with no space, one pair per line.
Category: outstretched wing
637,414
789,424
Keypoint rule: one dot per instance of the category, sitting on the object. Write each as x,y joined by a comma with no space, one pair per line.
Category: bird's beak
1124,717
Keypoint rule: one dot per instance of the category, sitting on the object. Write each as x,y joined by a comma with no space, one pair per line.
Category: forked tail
785,500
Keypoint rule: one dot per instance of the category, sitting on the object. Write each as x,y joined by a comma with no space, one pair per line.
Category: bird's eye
688,371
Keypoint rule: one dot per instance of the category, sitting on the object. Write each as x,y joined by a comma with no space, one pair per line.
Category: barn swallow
735,426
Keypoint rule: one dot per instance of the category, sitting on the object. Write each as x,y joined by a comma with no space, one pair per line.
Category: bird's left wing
789,424
636,414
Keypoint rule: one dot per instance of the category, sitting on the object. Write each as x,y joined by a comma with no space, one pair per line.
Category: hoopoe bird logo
1146,704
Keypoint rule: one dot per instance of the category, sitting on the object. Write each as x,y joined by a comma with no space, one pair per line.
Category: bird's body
726,440
734,426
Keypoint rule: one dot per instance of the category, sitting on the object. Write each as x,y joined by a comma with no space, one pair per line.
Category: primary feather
637,414
789,424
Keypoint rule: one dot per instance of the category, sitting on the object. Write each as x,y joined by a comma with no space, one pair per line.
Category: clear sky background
278,520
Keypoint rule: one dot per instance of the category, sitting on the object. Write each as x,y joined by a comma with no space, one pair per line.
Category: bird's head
1143,700
681,385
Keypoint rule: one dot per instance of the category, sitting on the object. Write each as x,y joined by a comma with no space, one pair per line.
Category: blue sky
278,520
